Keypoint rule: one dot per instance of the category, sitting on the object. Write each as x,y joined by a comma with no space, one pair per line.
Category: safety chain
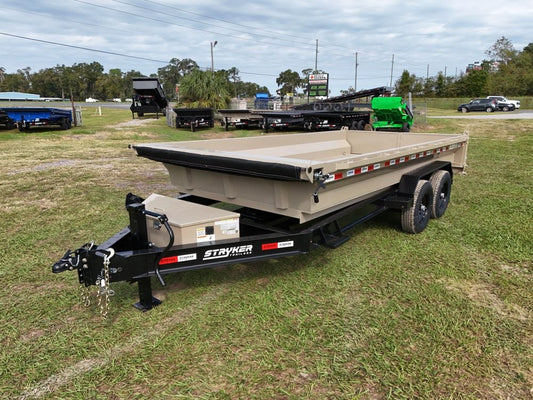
85,295
102,285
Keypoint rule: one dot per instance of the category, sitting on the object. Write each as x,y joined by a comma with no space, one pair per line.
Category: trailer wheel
441,182
416,217
65,124
405,127
361,125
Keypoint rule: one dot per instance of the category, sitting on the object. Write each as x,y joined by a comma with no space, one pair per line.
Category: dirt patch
482,294
133,123
217,135
45,166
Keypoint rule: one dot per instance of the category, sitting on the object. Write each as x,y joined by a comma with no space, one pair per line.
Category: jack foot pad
147,307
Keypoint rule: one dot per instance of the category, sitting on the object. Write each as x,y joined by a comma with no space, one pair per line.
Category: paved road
518,114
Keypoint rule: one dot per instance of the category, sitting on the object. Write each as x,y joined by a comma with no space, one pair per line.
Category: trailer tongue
287,193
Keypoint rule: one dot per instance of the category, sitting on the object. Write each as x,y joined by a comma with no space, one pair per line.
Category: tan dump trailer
246,199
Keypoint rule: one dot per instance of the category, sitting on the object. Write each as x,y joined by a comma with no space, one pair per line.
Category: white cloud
263,38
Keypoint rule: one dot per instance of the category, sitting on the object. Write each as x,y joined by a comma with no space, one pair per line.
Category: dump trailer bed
148,97
303,176
28,117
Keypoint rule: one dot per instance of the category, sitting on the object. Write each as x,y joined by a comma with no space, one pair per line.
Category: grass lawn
446,314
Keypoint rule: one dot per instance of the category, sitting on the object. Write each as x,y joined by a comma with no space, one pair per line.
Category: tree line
506,71
84,80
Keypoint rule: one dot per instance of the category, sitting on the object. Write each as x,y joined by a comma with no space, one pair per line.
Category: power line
223,20
83,48
206,23
284,34
176,24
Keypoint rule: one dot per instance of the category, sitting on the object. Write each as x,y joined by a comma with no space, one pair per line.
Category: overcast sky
263,38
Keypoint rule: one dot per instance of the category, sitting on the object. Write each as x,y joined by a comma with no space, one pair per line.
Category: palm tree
205,89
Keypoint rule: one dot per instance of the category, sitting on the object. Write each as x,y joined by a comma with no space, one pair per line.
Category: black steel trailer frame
314,120
241,119
194,118
129,256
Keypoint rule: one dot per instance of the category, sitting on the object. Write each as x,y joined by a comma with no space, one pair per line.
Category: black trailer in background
240,119
148,97
194,118
327,114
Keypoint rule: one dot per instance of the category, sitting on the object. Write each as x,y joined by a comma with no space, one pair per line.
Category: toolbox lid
183,213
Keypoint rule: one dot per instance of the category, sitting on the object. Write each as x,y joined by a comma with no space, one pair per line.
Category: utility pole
355,78
391,70
213,44
316,57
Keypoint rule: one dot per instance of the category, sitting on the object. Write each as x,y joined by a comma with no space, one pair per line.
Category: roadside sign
318,85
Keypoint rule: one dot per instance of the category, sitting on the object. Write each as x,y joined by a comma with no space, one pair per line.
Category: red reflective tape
168,260
269,246
338,175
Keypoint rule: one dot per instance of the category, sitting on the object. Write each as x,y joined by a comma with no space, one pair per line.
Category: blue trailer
28,117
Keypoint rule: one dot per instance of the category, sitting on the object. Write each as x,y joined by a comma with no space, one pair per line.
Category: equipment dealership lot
447,313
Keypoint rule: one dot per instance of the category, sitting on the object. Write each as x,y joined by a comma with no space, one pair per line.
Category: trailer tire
65,124
441,182
416,217
361,125
405,127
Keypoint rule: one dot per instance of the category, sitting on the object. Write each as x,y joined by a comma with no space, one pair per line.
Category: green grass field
446,314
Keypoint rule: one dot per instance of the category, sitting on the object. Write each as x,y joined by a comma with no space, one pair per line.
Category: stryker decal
225,252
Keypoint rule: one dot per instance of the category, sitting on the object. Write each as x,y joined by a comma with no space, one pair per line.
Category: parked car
488,105
505,104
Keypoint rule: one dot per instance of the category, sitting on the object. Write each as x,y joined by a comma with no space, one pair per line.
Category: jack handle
162,218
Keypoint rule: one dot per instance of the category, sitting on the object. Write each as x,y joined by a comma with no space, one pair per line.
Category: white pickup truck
503,100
